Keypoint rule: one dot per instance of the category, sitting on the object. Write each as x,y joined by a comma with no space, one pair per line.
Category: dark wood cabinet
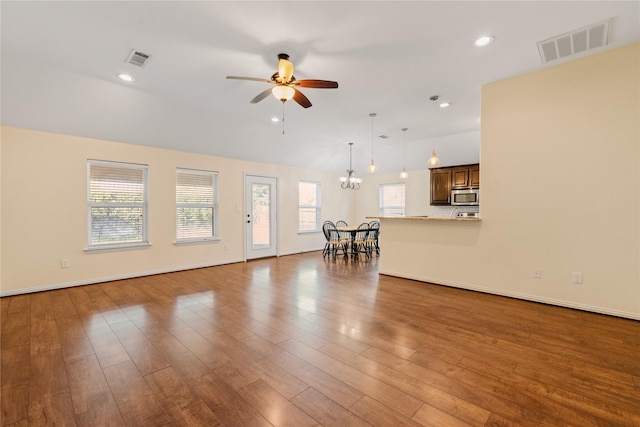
474,176
441,186
443,180
459,178
465,177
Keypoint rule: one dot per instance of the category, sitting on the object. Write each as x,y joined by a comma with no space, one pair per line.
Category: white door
260,216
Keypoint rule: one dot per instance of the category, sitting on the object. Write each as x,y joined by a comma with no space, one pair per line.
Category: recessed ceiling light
483,41
275,119
126,77
445,105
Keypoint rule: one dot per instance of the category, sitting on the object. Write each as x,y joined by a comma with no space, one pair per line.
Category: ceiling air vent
583,39
138,58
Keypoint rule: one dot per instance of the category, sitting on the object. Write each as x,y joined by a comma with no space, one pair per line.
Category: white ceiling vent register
577,41
138,58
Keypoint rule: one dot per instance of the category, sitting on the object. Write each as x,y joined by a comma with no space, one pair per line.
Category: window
309,206
196,199
392,200
117,204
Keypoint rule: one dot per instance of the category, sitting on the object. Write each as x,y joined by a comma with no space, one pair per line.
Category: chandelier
350,182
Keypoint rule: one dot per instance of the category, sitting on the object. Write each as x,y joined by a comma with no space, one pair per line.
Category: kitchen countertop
424,218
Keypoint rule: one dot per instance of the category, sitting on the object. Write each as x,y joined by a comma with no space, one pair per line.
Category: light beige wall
0,212
560,192
44,210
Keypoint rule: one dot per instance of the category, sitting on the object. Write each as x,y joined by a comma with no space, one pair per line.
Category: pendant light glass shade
372,167
285,68
433,160
283,93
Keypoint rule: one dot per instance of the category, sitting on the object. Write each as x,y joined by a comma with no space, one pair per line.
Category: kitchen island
421,218
435,250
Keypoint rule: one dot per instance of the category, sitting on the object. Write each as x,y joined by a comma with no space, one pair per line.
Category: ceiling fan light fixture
285,68
285,83
283,92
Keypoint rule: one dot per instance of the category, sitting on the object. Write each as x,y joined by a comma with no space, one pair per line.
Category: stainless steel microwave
466,197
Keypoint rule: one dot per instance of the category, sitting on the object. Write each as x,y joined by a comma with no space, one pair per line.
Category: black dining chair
372,238
359,243
346,235
334,244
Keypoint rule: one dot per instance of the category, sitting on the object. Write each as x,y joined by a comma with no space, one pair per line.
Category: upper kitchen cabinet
443,180
465,177
441,186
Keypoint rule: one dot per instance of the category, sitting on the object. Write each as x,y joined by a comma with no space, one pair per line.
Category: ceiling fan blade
301,99
253,79
318,84
262,95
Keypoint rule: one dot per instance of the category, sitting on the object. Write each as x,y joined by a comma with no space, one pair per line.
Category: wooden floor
301,341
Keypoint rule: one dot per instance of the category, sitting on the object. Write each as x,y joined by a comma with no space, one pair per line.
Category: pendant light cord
404,147
373,115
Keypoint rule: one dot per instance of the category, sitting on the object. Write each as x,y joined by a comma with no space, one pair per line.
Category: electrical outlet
226,247
536,273
64,263
576,277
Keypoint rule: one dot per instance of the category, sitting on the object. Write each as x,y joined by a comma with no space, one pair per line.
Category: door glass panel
261,198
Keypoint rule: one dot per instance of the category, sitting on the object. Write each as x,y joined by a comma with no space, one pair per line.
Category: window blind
308,206
195,204
117,203
392,202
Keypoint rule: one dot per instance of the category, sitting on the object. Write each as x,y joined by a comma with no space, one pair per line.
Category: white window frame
214,206
384,208
317,207
144,241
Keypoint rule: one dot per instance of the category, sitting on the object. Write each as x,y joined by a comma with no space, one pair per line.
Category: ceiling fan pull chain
283,117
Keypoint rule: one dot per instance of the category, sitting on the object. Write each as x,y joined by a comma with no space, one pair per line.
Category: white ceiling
60,61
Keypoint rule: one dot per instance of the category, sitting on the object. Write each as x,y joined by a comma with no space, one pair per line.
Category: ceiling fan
286,84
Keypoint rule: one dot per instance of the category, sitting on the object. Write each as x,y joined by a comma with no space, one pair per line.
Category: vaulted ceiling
60,62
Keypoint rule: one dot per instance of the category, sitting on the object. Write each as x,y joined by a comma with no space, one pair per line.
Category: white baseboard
55,286
517,295
299,252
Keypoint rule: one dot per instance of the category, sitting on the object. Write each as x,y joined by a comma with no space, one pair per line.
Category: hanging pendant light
350,182
404,174
433,161
372,167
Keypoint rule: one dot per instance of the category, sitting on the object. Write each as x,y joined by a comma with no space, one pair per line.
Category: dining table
353,229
